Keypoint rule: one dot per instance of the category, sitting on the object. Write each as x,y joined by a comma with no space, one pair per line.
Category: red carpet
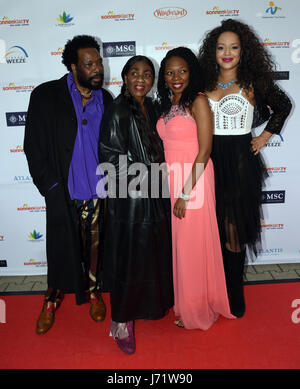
265,338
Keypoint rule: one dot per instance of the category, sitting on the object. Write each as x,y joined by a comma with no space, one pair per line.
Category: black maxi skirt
239,179
138,258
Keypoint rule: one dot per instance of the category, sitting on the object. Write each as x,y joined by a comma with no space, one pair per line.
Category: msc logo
282,75
15,118
119,49
273,196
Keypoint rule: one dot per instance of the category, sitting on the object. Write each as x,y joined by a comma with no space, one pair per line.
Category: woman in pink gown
186,130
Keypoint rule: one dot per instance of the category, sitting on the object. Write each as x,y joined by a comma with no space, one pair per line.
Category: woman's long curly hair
190,92
147,133
256,67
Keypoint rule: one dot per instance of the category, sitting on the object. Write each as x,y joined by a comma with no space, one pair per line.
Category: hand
258,142
179,208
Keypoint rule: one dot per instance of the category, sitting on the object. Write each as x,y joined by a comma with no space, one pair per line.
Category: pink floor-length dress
199,280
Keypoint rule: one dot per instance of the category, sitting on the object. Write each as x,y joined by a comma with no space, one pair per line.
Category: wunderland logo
273,196
119,49
223,12
170,13
15,119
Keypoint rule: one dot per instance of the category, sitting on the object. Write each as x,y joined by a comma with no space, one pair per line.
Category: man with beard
61,146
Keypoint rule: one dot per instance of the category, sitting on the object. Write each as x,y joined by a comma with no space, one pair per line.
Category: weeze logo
16,54
276,143
119,49
170,13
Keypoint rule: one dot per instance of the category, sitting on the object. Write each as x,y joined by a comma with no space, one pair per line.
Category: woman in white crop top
237,74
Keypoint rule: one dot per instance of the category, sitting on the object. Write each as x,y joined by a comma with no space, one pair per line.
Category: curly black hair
256,67
190,92
70,53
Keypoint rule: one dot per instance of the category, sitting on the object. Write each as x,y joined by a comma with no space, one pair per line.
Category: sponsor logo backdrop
32,37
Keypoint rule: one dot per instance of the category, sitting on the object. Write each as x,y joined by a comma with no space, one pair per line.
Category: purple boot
123,332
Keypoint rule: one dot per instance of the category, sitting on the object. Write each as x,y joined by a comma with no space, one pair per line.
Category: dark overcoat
50,133
137,255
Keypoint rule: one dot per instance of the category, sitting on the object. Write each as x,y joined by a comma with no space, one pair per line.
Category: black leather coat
137,247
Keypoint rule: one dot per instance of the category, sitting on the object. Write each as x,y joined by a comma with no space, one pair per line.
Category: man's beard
87,82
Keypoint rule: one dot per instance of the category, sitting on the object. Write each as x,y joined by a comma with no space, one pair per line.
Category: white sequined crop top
233,115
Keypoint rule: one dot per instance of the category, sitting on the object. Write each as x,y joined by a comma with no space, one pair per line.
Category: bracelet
184,196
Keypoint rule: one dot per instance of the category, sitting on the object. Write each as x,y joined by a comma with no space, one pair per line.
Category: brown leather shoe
46,317
97,307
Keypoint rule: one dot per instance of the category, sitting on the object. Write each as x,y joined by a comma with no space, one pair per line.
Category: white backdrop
32,36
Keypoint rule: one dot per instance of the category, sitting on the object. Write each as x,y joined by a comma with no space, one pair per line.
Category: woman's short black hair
70,53
193,88
130,63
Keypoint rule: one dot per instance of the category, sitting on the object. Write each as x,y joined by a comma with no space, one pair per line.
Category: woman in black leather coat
137,247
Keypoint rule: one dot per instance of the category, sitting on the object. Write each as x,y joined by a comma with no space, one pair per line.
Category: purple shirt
82,179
